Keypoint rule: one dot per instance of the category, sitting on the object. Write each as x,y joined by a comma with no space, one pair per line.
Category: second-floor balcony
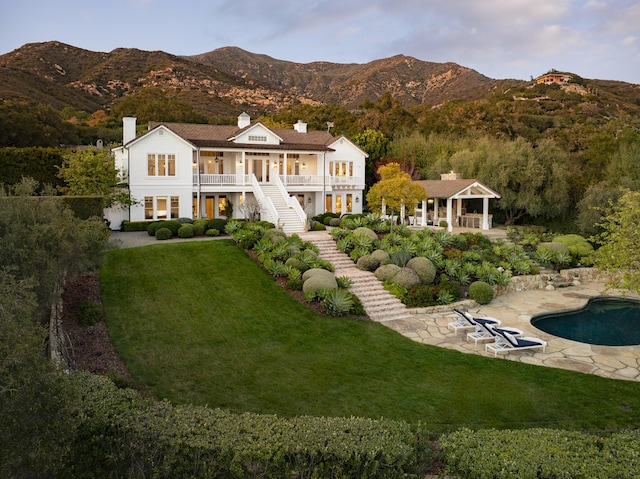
287,180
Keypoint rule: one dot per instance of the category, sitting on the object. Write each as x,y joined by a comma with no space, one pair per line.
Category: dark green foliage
212,232
89,313
85,207
421,296
152,227
294,280
122,435
172,225
130,226
163,233
317,226
40,164
481,292
217,223
324,216
184,221
186,231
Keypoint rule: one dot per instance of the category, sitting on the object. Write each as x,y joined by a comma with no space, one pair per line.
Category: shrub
89,313
443,223
212,232
173,225
424,268
298,264
481,292
317,226
129,226
366,232
395,289
163,234
344,282
407,278
185,221
319,282
152,227
381,256
186,231
275,235
317,272
334,222
218,223
200,226
367,263
338,302
294,280
386,272
578,245
554,247
421,295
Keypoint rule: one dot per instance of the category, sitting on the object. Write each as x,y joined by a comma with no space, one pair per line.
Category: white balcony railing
287,180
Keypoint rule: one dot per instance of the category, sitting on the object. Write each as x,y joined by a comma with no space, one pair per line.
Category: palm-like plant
338,302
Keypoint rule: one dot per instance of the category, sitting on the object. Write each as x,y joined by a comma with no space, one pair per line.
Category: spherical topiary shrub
424,268
334,222
184,221
275,235
212,232
186,231
298,264
387,271
163,234
317,272
366,232
318,282
481,292
367,263
199,227
406,278
381,256
151,229
317,226
173,225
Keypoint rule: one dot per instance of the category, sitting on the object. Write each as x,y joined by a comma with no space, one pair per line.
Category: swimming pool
605,321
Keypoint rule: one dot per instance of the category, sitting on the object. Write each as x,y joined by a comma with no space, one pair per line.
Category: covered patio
453,191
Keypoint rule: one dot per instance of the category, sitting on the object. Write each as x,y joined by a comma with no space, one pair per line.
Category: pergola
453,189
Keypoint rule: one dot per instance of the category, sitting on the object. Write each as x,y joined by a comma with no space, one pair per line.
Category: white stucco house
191,170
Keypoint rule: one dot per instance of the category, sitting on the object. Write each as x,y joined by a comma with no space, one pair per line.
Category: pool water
604,321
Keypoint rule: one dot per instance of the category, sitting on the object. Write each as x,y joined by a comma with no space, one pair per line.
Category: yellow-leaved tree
396,189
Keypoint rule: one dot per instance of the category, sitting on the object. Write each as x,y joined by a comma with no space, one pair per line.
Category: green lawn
201,323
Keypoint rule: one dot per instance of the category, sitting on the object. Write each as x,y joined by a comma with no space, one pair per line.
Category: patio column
485,213
424,213
449,215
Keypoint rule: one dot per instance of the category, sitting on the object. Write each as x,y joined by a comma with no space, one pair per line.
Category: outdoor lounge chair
477,323
463,321
491,332
513,343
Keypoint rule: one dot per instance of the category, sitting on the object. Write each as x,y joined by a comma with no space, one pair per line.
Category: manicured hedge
121,434
41,164
84,207
129,226
541,453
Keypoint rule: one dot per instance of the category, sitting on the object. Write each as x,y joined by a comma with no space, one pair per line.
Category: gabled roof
221,136
457,189
159,126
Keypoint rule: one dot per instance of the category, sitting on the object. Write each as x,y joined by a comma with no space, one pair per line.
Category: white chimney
128,129
300,127
244,120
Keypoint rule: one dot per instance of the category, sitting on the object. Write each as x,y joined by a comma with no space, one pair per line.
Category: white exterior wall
345,150
161,141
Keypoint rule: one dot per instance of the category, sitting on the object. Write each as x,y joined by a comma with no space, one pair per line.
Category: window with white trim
161,164
161,207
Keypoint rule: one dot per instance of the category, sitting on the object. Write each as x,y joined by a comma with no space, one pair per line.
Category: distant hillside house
180,170
554,77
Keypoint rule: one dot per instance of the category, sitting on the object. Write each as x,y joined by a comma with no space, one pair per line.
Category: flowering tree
395,188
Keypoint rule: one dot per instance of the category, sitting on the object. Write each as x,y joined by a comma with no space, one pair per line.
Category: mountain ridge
229,79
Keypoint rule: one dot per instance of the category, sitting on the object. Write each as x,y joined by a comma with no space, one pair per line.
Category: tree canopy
395,188
619,255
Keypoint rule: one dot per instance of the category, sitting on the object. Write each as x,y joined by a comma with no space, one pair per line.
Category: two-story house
206,171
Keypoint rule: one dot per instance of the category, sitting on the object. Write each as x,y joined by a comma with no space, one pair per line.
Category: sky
521,39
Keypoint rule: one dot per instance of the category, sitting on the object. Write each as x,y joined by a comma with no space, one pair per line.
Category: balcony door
261,168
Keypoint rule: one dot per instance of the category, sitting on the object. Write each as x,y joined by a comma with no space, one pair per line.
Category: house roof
220,136
457,189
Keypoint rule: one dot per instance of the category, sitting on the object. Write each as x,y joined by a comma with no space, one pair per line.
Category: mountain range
228,80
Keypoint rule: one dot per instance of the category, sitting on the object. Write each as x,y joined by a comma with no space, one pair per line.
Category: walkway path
377,302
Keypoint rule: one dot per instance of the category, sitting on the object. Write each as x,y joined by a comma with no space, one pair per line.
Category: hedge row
121,434
83,207
541,453
41,164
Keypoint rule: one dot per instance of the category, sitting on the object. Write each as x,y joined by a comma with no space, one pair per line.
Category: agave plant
452,267
344,245
344,282
338,302
280,251
373,220
263,246
309,296
400,257
444,238
277,269
232,226
445,297
339,233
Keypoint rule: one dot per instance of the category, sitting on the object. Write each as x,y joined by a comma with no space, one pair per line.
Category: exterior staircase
289,220
379,304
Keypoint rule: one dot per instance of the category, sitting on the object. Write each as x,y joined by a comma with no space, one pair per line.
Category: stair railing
291,201
268,211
